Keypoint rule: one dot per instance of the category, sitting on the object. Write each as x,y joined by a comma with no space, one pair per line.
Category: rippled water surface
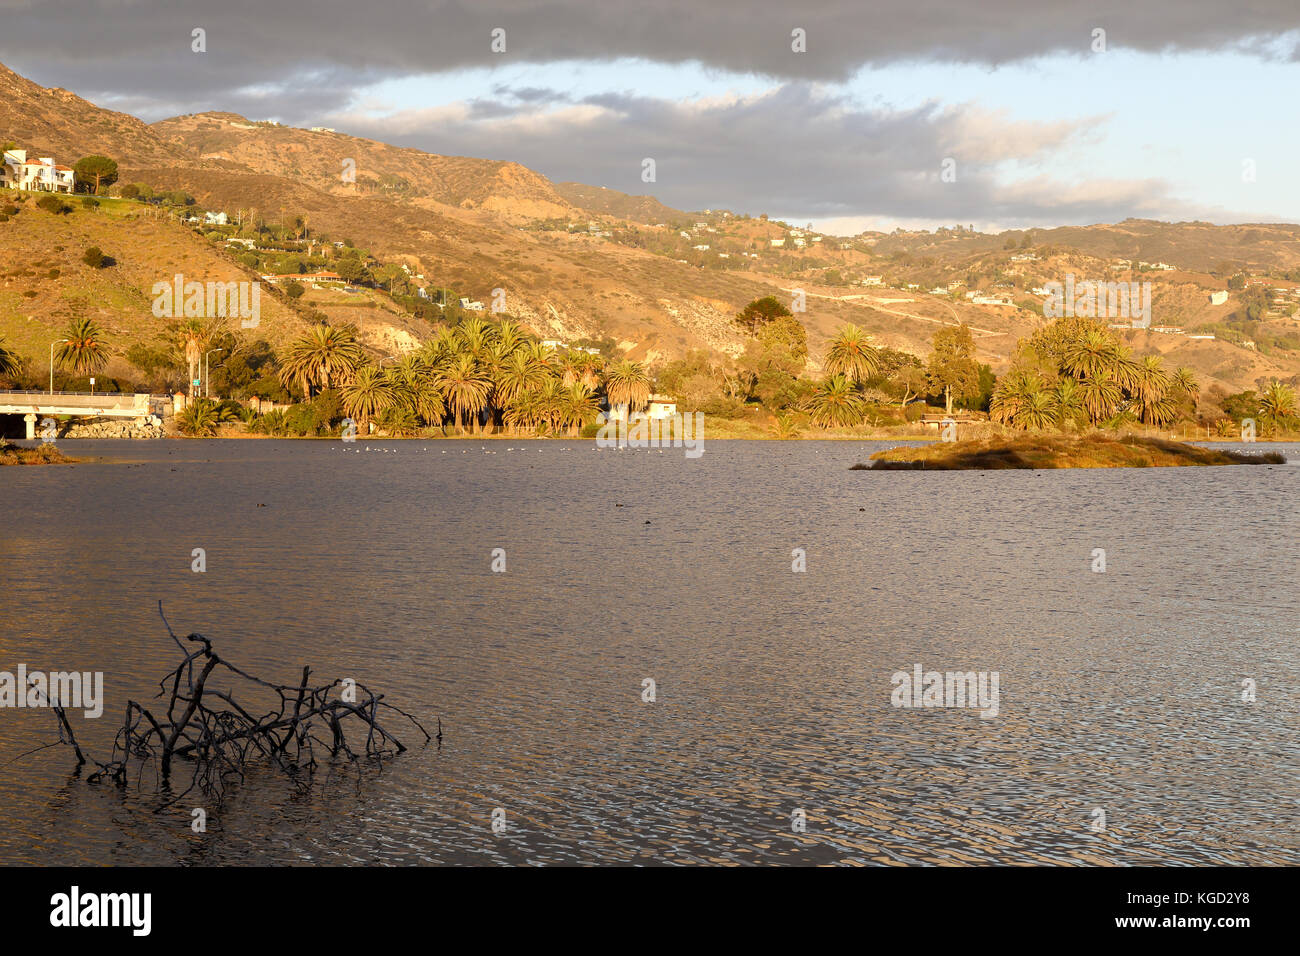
1118,690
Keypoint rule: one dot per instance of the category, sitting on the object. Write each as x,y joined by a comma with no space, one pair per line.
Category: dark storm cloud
141,48
796,150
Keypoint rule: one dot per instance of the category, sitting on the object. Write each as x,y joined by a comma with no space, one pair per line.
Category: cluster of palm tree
1098,382
471,375
837,401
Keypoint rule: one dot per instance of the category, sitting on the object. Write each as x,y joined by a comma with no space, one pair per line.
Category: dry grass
43,454
1089,451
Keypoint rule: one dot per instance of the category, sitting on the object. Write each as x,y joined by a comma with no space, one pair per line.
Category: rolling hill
574,260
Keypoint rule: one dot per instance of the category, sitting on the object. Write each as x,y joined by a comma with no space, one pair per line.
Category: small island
1059,451
43,454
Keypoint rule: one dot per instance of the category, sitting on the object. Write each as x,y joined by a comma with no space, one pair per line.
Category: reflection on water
1119,691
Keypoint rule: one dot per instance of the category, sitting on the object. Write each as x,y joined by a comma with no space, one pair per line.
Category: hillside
54,122
599,201
49,284
319,159
579,261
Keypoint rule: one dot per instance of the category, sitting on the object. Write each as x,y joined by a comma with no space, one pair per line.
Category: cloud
142,47
797,149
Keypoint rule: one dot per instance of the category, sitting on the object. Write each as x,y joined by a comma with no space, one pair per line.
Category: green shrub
54,205
93,257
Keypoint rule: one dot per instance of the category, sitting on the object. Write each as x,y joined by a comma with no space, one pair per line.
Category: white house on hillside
44,176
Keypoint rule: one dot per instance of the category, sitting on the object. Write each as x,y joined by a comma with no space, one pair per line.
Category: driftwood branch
217,735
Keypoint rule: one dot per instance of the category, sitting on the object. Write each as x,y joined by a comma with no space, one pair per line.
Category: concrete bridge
34,405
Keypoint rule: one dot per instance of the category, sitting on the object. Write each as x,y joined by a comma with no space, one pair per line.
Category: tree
1277,406
325,356
352,270
627,383
97,170
465,388
83,347
834,403
94,257
759,313
366,395
851,354
952,367
10,363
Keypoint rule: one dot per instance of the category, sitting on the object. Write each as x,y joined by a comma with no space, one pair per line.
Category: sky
896,113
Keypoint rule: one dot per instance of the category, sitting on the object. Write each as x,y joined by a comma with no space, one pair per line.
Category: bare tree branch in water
218,736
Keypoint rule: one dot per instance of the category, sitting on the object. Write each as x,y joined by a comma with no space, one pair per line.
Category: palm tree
191,337
474,336
510,335
465,389
202,416
1277,406
1038,411
368,393
1091,355
850,354
326,355
1101,396
517,375
83,347
415,390
1184,382
786,427
550,403
1150,389
1011,394
1069,404
578,407
10,363
627,383
834,403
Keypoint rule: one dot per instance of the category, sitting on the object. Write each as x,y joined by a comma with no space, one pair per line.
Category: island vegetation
1092,450
43,454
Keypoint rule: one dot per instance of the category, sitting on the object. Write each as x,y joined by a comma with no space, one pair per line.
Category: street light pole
207,373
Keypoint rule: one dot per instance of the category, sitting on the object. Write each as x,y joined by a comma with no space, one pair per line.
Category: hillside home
469,306
216,219
874,280
44,176
778,243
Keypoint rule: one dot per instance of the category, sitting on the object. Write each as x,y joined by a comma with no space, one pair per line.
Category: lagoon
1120,690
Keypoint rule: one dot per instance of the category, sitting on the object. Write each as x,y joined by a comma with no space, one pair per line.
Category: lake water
1118,691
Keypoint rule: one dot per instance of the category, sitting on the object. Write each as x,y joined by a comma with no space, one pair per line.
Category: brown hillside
54,122
318,160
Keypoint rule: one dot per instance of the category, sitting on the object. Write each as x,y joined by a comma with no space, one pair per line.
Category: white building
44,175
216,219
1219,297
